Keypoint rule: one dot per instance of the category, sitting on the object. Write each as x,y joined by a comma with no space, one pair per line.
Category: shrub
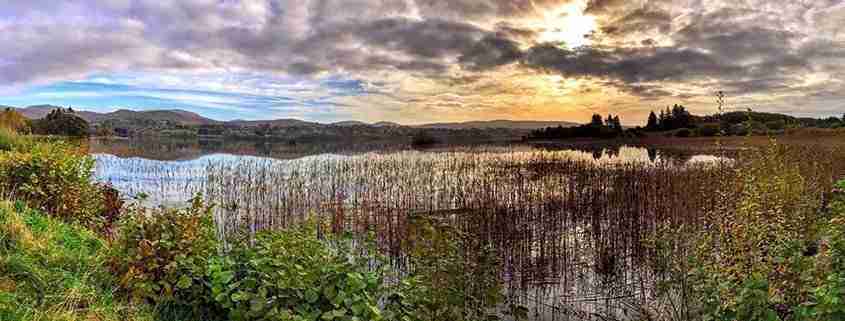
56,178
768,253
13,120
294,275
161,255
11,140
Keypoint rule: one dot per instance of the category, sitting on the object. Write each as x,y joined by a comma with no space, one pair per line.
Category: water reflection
170,171
174,149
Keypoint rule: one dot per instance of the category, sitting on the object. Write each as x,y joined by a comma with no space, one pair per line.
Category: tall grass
560,222
53,271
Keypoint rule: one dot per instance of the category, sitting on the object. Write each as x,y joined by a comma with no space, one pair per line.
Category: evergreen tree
596,121
652,122
680,117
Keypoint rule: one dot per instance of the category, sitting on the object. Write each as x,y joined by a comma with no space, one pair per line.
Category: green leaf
184,282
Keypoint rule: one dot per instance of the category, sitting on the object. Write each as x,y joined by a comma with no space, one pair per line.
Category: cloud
401,53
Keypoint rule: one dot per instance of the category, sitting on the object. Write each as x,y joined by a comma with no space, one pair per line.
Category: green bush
161,256
9,139
294,275
772,251
57,178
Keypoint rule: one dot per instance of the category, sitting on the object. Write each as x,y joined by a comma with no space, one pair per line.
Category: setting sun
569,25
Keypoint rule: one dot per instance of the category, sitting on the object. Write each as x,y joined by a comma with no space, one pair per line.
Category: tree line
610,127
60,122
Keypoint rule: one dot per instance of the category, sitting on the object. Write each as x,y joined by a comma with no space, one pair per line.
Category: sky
418,61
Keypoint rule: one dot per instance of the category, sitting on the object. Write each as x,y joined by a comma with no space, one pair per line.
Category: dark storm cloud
490,52
627,66
414,45
748,46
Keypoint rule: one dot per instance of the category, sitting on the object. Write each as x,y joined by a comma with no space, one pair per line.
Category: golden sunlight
568,25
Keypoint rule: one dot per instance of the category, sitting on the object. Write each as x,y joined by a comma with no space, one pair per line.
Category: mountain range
188,118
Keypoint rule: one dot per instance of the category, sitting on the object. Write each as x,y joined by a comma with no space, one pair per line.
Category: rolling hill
123,115
187,118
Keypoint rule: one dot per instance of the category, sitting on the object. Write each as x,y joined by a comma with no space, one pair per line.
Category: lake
567,221
170,171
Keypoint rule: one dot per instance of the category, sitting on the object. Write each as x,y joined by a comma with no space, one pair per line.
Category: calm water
171,171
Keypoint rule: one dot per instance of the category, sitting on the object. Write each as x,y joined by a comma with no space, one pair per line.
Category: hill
180,117
506,124
41,111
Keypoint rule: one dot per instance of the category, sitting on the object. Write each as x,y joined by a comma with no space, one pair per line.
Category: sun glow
568,25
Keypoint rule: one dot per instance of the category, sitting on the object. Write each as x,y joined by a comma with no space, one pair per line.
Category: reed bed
567,225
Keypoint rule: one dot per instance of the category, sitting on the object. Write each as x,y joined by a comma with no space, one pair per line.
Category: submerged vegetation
458,235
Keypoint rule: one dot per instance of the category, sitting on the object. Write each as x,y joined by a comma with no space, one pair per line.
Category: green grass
53,271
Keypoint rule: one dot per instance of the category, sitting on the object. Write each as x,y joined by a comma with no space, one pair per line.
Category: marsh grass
571,231
567,229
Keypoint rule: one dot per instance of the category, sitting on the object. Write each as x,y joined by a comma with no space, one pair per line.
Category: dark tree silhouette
652,122
596,121
597,128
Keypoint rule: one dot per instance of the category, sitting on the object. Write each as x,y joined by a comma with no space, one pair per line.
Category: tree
13,120
614,123
596,121
63,123
680,117
652,122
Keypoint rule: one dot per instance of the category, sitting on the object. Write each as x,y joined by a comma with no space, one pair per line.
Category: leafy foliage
13,120
294,275
56,177
773,252
161,255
